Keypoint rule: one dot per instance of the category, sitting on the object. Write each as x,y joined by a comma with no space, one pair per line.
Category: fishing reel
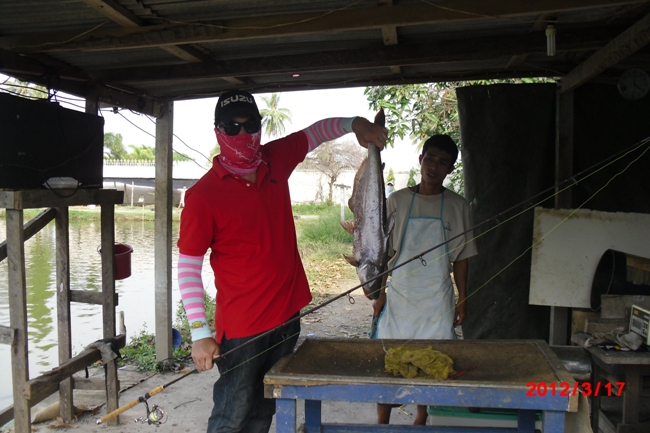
156,415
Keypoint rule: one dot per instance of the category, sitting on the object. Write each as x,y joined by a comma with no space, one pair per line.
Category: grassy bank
147,213
91,213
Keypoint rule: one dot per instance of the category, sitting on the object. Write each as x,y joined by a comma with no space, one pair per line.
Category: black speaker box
40,140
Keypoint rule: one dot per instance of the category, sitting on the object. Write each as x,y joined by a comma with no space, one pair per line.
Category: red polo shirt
250,231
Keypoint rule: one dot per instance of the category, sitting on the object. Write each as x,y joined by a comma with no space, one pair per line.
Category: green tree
142,152
418,111
113,146
273,116
181,157
391,176
24,88
411,182
332,158
216,150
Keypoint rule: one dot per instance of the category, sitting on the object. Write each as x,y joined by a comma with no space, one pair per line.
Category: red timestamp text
565,389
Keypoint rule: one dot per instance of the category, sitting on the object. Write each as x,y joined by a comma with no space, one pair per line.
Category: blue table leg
553,421
312,416
285,415
526,421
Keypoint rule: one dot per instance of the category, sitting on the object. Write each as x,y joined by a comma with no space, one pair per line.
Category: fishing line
608,161
150,134
261,353
611,160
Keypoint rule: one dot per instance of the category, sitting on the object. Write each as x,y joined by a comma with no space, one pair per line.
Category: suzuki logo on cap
236,98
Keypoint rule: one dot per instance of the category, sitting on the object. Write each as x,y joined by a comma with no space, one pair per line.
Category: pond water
136,293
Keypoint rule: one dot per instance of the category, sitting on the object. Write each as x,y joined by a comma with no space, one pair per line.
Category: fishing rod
572,180
156,415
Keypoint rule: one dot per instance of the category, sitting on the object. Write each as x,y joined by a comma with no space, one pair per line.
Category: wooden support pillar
564,148
560,320
108,304
64,329
92,101
163,227
18,318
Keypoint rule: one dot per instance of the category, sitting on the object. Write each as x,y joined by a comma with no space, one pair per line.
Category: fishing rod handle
129,405
117,412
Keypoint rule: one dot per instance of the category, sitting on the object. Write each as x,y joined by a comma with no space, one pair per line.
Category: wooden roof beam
380,56
625,44
119,14
292,24
540,24
45,71
388,33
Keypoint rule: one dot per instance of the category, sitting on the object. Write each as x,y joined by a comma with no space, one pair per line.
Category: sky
194,122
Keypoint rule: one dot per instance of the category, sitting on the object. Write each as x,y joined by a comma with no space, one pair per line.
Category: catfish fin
348,226
351,260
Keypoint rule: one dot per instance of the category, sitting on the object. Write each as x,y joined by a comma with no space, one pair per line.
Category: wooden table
631,367
353,371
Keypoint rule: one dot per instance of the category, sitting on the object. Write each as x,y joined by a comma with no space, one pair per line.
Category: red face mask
240,154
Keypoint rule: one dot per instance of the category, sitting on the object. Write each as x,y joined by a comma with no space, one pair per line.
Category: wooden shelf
28,392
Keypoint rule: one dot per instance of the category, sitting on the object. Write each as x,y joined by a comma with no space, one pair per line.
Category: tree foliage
411,182
216,150
390,177
114,146
178,156
273,117
24,88
332,158
418,111
142,152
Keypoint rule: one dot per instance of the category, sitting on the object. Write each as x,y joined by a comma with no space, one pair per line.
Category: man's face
435,165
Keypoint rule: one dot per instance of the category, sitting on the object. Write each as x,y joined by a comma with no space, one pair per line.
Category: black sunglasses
233,128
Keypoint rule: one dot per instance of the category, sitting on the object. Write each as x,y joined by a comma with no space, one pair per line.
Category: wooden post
18,318
559,329
108,305
163,226
63,308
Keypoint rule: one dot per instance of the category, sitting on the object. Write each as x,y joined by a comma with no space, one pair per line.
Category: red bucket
122,260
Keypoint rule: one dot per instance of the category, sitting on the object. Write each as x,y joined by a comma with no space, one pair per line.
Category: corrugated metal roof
171,49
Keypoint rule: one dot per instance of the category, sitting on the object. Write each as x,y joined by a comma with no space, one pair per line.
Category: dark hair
444,143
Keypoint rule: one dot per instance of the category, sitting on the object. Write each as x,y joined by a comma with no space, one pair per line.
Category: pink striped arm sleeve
190,284
327,130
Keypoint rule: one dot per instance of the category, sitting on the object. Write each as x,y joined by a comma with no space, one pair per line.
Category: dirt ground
188,402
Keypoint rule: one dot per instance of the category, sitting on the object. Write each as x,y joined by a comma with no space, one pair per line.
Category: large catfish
371,226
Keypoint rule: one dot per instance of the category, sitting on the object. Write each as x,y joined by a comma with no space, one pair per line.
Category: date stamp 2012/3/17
564,389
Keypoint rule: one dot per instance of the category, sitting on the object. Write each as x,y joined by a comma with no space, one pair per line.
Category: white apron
420,299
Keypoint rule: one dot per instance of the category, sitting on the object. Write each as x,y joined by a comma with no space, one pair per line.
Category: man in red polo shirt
241,211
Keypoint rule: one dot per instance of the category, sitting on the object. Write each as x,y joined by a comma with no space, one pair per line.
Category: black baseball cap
235,103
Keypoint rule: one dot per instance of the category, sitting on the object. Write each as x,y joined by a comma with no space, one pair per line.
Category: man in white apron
418,302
